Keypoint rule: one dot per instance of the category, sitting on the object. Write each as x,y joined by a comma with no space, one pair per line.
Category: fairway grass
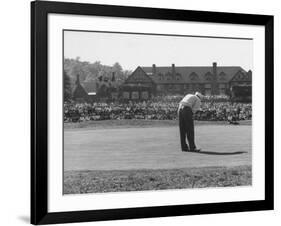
95,181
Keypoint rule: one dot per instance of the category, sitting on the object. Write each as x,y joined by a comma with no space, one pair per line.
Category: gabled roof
89,87
79,91
139,74
242,76
185,73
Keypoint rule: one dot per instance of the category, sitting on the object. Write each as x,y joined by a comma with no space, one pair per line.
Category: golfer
187,107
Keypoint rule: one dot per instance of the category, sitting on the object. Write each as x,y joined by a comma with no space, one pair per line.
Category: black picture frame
39,112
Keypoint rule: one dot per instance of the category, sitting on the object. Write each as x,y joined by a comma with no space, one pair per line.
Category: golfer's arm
182,103
180,106
196,106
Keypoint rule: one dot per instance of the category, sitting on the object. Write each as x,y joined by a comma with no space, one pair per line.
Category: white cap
199,95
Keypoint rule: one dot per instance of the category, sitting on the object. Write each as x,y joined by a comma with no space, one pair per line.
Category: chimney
173,70
215,87
113,77
153,69
250,72
215,70
77,79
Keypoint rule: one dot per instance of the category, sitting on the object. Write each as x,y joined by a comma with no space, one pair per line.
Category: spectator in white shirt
187,107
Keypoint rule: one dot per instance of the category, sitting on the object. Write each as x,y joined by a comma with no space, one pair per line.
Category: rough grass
78,182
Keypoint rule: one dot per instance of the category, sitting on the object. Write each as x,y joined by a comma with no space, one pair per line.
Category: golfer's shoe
195,150
185,150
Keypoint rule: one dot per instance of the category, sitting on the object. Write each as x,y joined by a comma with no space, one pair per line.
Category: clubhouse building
145,82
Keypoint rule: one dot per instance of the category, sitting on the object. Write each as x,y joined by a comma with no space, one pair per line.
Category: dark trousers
186,128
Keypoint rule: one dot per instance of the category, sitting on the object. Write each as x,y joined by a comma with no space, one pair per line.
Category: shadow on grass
221,153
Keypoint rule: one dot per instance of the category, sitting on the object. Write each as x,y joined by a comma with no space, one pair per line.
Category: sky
132,50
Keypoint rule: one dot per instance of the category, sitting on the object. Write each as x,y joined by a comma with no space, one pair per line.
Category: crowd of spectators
224,111
156,109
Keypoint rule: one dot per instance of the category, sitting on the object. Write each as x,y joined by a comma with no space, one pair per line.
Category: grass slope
78,182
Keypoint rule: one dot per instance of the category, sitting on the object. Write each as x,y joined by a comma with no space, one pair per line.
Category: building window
135,95
144,95
160,87
114,95
177,87
222,76
178,76
168,76
208,76
160,76
208,89
193,76
222,88
126,95
208,86
240,76
194,87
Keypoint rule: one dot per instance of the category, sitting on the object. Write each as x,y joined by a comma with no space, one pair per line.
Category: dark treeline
93,72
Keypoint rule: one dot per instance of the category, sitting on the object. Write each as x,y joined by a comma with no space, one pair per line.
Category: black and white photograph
142,112
149,112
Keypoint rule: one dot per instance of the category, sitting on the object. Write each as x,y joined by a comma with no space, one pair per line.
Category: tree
94,72
66,87
117,68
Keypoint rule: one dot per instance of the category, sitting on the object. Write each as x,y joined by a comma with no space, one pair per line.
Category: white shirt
191,101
